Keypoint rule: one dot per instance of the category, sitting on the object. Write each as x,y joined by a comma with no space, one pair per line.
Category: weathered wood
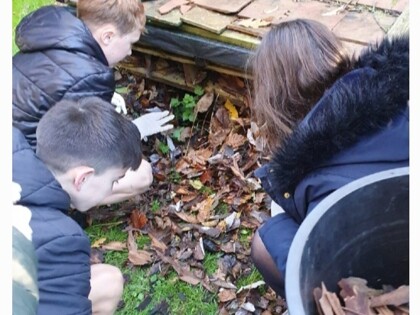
208,20
185,60
401,25
360,28
152,13
224,6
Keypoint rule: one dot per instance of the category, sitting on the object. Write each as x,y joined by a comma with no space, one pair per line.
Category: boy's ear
107,33
81,175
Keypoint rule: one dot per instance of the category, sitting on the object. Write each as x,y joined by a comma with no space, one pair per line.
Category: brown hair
87,132
295,63
126,15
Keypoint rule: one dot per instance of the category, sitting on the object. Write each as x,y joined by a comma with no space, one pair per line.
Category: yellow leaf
99,242
196,184
233,113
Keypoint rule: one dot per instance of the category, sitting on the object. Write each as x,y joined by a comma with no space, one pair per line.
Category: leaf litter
207,195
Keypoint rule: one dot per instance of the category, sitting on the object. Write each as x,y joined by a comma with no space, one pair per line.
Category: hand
152,123
119,103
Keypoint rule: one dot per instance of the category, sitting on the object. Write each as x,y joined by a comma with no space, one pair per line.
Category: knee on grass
107,285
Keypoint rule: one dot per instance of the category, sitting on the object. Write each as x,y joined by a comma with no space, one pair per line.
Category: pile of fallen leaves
357,298
209,201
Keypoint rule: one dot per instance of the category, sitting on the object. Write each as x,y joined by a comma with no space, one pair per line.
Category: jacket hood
39,187
358,104
54,27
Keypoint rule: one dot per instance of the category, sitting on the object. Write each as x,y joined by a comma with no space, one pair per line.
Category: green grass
250,278
181,298
210,262
21,8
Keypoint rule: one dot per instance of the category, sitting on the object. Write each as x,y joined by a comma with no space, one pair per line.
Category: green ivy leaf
176,133
198,90
174,102
122,90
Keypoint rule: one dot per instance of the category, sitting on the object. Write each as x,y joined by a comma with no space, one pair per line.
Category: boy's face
119,46
90,189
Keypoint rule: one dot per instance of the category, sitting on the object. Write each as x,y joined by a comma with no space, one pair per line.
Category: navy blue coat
58,59
360,126
62,247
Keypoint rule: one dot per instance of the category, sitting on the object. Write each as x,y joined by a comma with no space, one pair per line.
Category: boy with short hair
63,56
83,148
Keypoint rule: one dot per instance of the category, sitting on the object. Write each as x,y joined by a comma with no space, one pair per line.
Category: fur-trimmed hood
358,104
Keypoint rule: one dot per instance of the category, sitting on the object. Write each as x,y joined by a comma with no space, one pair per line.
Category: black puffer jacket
62,248
58,59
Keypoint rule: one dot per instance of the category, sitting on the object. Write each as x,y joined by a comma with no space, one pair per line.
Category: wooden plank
391,5
228,36
208,20
224,6
172,18
284,10
268,9
324,13
359,28
257,32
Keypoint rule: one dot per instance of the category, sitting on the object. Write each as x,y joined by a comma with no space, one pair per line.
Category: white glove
119,103
152,123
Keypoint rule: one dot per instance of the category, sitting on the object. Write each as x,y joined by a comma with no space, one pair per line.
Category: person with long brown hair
328,118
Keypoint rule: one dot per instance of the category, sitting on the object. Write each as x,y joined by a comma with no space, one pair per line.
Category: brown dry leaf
199,156
199,250
190,279
358,303
188,198
182,165
235,140
204,102
204,209
401,310
185,134
235,169
226,295
182,190
212,232
324,302
253,23
222,117
317,293
116,246
206,176
397,297
140,257
137,257
183,272
228,247
138,219
220,127
383,310
187,217
350,285
156,244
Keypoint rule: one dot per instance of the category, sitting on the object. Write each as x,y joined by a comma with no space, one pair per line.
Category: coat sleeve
96,84
64,276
